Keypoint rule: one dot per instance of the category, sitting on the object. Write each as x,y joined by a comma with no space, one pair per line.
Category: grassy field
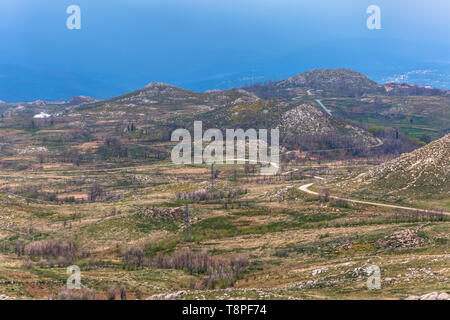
289,245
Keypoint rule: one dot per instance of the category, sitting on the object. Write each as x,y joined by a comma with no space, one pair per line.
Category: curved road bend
305,188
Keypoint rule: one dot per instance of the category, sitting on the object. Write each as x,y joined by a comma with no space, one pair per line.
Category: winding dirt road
305,188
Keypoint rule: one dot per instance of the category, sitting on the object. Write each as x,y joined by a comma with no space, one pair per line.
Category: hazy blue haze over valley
204,44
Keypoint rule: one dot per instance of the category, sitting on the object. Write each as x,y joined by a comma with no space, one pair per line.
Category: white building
42,115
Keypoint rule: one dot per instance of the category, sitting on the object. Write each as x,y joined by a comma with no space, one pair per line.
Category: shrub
58,249
220,272
69,199
27,263
194,263
325,194
95,192
43,263
111,293
134,257
138,294
19,248
123,293
281,252
221,277
77,294
341,204
239,263
211,194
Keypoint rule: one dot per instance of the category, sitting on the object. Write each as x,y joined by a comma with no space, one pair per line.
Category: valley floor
246,237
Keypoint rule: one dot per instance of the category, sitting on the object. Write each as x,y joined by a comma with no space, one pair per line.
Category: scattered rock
167,296
163,213
317,271
401,239
443,296
280,194
431,296
32,150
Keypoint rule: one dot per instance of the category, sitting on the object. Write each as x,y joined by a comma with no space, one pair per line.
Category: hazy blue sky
207,44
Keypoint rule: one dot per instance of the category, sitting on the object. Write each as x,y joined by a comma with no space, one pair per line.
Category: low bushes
51,252
52,248
81,294
211,194
194,263
220,272
134,257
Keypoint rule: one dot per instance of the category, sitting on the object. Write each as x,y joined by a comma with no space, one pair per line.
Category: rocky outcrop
401,239
162,213
425,171
431,296
342,81
167,296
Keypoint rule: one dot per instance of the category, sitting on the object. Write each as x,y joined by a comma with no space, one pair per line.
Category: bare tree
325,194
123,293
95,192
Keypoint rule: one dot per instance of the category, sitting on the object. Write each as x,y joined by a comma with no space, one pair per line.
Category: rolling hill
421,174
335,82
283,104
163,100
355,103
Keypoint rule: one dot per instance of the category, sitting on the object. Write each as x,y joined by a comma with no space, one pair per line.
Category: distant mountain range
18,83
317,109
351,103
333,82
326,113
